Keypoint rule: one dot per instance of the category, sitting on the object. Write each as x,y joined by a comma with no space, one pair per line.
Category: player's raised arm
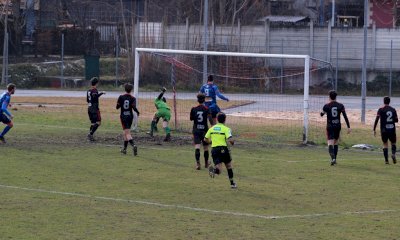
219,94
163,90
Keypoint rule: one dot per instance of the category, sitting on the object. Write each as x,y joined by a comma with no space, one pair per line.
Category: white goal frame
236,54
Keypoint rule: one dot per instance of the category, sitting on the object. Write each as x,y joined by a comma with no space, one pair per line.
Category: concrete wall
320,43
342,47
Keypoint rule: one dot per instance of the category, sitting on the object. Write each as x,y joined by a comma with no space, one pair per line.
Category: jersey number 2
389,116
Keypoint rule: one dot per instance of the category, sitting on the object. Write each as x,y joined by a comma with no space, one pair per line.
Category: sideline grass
56,185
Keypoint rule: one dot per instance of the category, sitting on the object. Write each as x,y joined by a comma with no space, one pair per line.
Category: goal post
304,58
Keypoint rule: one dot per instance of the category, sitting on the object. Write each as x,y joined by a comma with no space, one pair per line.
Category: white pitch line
238,214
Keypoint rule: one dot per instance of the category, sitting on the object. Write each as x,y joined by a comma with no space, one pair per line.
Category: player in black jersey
92,98
388,117
127,103
199,116
333,110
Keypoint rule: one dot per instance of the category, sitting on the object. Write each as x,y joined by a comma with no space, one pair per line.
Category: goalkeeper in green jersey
164,112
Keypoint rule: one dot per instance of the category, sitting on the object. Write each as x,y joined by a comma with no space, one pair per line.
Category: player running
5,116
199,115
92,97
164,112
127,103
210,90
388,117
333,110
218,135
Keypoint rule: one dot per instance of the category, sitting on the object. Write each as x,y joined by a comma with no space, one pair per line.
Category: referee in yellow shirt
218,135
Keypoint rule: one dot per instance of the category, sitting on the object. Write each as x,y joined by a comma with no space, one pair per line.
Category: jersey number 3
200,117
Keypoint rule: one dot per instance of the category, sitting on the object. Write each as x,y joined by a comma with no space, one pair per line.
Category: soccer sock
393,149
335,150
385,154
125,144
206,156
197,155
167,130
131,142
91,128
94,128
230,175
5,130
331,151
153,125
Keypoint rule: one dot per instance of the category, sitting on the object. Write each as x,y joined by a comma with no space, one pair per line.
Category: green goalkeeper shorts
164,114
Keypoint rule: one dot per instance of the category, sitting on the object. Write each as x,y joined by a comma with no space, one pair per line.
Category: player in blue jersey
5,116
210,90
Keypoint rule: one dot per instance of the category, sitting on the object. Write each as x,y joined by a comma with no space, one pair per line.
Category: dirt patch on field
353,116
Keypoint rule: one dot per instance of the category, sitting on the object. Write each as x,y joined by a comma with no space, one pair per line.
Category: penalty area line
232,213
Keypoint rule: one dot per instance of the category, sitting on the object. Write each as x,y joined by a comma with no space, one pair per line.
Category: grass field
56,185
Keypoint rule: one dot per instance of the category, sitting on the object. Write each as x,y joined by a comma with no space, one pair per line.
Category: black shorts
388,136
198,137
333,133
221,155
94,116
4,118
126,121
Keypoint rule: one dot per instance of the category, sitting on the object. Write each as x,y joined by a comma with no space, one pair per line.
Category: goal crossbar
306,59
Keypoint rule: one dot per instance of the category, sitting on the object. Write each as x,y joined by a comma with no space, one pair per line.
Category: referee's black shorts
221,155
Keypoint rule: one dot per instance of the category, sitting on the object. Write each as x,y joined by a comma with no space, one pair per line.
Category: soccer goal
273,97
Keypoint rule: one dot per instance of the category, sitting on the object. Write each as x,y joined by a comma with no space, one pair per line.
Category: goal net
273,97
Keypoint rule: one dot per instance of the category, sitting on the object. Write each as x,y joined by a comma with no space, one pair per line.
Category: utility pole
364,64
333,13
5,47
321,12
205,70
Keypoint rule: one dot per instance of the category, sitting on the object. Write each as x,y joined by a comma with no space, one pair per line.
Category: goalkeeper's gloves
322,114
163,89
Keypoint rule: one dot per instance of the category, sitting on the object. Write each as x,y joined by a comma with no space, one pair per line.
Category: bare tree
18,25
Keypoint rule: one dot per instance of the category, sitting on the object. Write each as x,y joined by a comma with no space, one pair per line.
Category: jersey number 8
126,104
